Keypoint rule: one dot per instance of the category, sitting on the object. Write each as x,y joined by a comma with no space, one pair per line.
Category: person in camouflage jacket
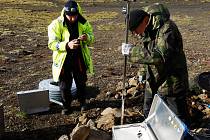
161,52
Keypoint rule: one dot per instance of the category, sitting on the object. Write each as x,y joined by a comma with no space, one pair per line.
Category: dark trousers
176,103
66,79
148,98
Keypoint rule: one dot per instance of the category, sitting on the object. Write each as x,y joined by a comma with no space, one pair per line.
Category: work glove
126,48
140,79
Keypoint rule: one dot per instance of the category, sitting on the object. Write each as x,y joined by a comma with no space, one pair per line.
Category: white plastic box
33,101
161,124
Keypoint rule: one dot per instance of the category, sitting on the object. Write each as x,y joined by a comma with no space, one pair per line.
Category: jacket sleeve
141,55
161,56
88,30
55,42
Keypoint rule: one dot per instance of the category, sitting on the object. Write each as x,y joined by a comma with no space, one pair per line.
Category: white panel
33,101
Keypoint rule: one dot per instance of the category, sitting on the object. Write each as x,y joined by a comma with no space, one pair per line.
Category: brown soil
25,59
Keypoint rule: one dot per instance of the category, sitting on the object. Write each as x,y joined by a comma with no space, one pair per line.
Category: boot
83,105
66,111
66,108
66,100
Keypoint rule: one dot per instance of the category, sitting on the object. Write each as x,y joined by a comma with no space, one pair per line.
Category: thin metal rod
125,62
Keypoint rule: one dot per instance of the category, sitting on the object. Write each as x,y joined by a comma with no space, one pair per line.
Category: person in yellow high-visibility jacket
69,37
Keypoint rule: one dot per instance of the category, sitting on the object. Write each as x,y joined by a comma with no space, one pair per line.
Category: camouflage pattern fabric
163,53
159,12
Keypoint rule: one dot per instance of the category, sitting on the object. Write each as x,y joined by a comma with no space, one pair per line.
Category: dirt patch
25,59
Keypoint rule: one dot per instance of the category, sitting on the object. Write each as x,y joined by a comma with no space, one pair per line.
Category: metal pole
125,60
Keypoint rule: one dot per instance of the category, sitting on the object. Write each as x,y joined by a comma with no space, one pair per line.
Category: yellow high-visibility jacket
58,35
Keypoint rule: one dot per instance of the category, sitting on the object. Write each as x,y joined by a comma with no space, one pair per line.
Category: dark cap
136,17
71,8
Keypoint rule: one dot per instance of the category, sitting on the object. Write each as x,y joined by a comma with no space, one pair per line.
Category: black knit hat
136,17
71,8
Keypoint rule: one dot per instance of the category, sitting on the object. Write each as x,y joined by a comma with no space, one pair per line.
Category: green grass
32,21
92,17
27,2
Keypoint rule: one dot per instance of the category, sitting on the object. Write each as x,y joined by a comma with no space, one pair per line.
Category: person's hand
140,78
74,44
126,48
83,37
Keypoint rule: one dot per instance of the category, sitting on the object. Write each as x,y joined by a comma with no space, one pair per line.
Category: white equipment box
161,124
33,101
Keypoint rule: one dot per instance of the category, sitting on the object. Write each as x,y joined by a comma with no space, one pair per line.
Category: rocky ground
25,60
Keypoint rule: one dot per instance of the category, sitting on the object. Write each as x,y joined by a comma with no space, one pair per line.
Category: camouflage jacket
161,50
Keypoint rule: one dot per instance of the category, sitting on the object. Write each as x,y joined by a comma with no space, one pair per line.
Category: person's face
72,18
141,27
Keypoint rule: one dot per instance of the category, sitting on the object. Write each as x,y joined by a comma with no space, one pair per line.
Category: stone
130,113
133,81
3,69
206,111
88,132
80,132
203,96
117,96
8,33
108,94
92,100
119,86
91,123
27,52
140,86
106,122
115,111
15,52
108,110
131,91
64,137
83,118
